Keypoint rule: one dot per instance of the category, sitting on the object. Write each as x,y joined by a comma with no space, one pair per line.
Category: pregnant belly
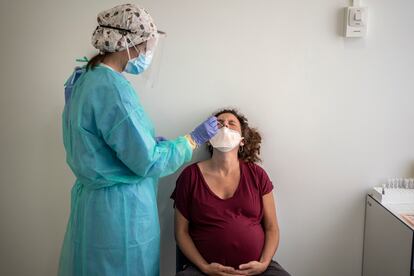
232,245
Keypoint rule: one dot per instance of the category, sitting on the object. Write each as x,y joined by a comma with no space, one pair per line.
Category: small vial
394,182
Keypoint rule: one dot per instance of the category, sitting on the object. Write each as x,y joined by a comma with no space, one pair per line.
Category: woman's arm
271,229
187,246
185,242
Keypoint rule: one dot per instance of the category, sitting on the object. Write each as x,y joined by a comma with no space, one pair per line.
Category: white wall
336,114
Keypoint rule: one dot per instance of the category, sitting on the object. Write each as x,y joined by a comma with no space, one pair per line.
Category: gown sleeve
127,131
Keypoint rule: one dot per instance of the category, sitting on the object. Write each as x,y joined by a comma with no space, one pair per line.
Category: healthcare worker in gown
111,147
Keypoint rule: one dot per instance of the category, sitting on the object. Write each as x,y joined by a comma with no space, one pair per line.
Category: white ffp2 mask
226,139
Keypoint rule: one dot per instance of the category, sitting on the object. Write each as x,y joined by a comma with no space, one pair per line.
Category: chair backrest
180,260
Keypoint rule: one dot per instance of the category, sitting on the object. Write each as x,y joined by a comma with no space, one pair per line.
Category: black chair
181,260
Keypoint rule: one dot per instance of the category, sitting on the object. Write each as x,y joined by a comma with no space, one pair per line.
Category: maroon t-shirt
226,231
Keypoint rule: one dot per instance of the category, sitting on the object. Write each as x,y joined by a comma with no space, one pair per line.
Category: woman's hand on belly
216,269
253,268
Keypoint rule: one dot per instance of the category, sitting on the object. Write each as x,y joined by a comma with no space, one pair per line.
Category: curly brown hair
252,139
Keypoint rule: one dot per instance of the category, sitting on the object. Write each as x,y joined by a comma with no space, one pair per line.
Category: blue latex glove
205,131
160,139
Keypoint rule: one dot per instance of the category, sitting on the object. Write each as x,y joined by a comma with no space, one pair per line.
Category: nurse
111,148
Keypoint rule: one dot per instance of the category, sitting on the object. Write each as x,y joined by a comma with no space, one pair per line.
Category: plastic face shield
154,47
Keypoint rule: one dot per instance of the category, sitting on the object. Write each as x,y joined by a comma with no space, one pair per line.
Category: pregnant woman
225,215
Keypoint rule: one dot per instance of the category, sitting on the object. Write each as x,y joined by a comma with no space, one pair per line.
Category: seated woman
225,216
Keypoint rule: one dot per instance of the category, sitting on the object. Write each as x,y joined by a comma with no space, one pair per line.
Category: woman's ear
135,52
242,142
142,48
